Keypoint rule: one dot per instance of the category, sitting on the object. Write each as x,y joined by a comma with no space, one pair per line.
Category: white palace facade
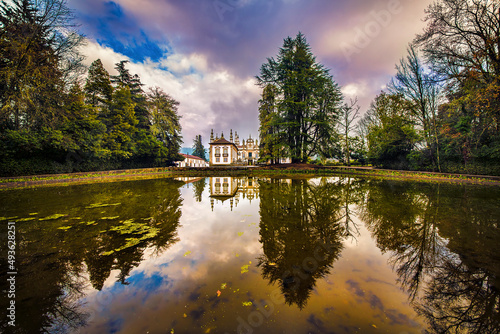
231,152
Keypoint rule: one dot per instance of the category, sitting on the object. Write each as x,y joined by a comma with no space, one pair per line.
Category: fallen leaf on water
187,253
223,286
185,315
247,304
240,234
244,269
218,293
237,255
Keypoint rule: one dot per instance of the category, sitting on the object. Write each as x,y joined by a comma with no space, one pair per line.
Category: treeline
54,118
439,113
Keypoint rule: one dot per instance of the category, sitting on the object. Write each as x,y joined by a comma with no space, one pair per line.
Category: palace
225,152
232,189
191,161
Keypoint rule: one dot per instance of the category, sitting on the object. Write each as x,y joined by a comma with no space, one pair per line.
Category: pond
252,255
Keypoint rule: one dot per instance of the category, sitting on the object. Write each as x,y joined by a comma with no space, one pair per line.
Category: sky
206,53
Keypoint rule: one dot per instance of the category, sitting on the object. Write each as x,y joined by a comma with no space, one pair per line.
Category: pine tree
121,124
308,99
98,89
268,131
31,79
198,148
134,84
165,122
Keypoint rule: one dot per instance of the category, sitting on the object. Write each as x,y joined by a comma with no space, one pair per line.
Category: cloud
205,52
209,98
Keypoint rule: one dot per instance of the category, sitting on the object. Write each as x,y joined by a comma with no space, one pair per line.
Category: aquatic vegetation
53,217
129,227
9,218
110,218
26,219
99,205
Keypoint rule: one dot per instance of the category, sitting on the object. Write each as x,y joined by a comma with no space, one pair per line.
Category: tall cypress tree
198,148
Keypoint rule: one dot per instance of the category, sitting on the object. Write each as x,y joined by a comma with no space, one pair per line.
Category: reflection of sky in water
178,290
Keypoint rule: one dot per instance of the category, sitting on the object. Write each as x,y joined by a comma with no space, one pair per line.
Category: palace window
250,154
217,159
225,159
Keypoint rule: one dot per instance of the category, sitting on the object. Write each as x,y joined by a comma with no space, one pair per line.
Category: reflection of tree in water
52,261
66,315
461,300
302,228
403,221
198,188
445,243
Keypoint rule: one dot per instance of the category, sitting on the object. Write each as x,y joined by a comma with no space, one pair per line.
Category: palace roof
222,141
187,156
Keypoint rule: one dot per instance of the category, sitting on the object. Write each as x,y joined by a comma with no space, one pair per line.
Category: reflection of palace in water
233,189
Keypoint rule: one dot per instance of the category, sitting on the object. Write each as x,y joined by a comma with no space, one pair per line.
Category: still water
246,255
